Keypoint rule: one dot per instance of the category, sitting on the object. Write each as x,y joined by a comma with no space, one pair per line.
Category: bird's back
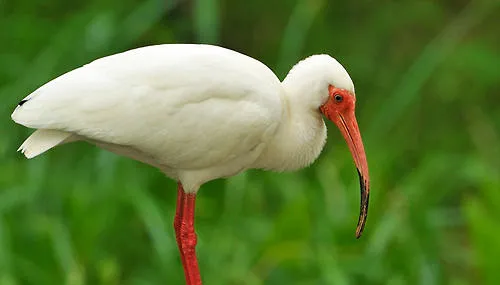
185,106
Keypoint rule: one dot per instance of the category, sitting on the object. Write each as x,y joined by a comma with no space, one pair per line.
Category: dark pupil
338,98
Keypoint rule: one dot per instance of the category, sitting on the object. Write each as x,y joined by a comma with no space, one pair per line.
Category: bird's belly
192,179
128,151
221,165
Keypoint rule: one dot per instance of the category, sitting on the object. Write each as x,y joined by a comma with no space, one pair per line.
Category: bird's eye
338,98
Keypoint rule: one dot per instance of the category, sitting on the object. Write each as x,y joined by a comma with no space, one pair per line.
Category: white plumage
197,112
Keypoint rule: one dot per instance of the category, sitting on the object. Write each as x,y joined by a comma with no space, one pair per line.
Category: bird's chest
294,147
309,148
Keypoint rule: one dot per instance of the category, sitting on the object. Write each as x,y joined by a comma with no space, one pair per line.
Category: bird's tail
42,140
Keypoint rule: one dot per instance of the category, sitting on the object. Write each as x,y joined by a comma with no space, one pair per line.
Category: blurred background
427,80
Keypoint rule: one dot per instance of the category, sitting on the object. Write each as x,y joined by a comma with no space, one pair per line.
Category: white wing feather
41,141
187,106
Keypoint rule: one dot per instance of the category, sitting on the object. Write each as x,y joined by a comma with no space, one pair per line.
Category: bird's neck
300,137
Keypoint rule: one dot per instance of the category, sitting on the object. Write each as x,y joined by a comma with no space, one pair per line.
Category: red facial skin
339,108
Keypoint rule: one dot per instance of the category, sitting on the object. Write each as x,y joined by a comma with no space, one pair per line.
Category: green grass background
427,79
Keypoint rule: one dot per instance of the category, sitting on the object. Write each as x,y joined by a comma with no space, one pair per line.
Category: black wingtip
22,102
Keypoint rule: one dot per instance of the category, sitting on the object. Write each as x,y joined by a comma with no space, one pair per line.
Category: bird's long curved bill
349,128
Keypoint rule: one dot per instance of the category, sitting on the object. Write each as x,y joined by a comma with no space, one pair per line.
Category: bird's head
332,93
339,108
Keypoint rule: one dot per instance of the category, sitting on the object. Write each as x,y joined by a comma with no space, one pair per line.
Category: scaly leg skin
185,235
178,221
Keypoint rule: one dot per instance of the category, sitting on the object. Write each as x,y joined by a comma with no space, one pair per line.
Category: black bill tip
363,210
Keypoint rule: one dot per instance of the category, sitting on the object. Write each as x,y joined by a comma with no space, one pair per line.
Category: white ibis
197,113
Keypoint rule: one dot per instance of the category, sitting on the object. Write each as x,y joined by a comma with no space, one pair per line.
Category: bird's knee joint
188,238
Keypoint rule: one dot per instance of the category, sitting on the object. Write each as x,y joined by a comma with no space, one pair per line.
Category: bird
198,112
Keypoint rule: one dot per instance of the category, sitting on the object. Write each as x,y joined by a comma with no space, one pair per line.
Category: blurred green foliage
427,80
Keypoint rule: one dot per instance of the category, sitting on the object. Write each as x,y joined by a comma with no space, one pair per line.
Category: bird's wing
188,106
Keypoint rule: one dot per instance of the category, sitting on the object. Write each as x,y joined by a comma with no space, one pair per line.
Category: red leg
178,220
185,235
